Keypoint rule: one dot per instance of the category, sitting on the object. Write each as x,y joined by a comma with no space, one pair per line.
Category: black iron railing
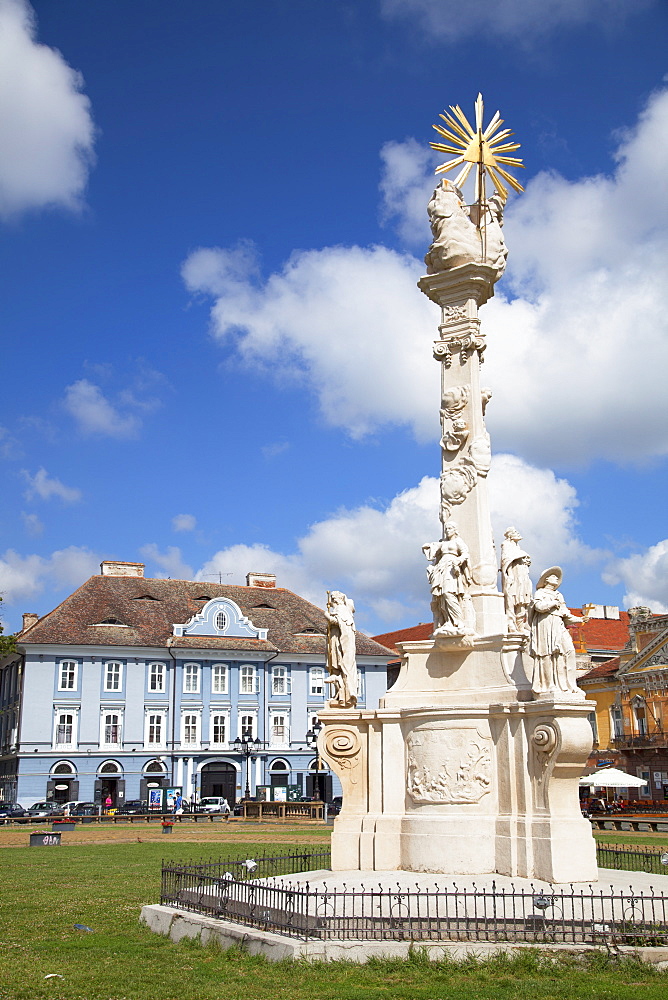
247,894
632,858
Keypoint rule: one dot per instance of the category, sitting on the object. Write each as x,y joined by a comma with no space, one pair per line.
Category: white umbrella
612,777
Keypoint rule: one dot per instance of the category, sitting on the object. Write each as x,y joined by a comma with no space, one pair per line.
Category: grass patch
631,839
44,892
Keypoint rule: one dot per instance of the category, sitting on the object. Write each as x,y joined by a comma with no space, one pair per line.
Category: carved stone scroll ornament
448,765
544,742
342,748
460,477
465,343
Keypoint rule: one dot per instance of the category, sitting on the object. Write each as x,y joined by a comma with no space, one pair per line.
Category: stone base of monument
325,915
460,772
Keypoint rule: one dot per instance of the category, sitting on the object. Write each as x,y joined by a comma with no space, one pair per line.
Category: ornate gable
221,617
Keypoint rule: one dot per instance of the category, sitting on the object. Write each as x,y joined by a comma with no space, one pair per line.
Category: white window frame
219,670
197,716
105,712
110,674
281,673
156,673
191,671
221,613
616,722
361,685
72,668
254,679
65,710
162,715
245,714
215,713
316,680
279,741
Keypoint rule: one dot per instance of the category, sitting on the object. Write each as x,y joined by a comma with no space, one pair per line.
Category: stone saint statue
450,578
457,239
515,581
551,644
341,662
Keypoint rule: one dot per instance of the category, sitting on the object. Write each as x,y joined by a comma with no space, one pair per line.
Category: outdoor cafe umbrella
612,777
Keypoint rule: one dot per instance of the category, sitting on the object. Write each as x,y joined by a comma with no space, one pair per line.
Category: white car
214,804
68,806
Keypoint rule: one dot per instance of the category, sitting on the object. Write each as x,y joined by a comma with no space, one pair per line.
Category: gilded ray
481,147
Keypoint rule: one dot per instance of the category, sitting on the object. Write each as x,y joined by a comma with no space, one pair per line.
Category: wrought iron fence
369,912
632,858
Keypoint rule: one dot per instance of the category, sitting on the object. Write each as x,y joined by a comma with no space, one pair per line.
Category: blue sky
216,359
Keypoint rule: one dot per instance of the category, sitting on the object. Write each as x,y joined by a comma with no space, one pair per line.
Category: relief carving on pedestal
448,765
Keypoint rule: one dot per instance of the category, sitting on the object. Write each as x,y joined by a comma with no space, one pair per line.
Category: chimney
260,580
111,568
29,619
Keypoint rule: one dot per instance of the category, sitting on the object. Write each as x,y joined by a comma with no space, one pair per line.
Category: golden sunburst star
484,148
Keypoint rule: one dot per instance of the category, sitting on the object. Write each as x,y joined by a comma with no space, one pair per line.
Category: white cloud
46,129
32,524
331,319
95,414
645,575
543,508
184,522
520,20
170,562
45,487
573,381
24,577
375,553
406,185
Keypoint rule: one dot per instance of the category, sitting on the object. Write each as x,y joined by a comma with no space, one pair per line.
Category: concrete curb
180,924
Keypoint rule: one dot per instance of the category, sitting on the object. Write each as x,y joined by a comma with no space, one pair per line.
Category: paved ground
352,881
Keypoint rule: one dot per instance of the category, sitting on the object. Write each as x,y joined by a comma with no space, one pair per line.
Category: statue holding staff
341,660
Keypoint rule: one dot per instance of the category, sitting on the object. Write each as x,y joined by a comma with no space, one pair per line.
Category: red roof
604,633
601,670
413,634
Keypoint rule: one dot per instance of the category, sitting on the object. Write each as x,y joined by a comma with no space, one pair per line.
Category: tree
7,642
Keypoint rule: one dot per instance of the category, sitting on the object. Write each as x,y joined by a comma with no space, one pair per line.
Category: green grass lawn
45,891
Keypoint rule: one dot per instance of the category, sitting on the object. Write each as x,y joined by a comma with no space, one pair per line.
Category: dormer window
222,621
112,621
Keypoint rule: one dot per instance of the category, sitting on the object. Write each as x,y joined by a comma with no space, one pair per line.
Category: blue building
135,683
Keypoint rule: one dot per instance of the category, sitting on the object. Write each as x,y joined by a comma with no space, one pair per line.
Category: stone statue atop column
457,237
551,645
341,660
450,579
515,580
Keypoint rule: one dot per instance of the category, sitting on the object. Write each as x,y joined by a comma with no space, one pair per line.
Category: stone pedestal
459,772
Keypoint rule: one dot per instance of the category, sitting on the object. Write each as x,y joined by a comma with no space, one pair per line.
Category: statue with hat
551,645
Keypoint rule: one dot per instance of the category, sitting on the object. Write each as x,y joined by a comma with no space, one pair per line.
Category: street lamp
312,743
248,747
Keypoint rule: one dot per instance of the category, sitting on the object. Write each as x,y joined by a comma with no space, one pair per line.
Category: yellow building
631,695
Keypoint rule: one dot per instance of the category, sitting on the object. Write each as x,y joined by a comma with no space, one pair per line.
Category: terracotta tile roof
601,670
413,634
602,633
149,608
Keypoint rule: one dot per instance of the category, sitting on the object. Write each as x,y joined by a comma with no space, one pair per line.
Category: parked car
214,804
335,806
45,809
132,807
12,810
69,806
85,809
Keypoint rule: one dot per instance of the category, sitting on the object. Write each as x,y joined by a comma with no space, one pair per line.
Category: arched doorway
279,773
62,785
154,776
110,785
219,778
319,781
